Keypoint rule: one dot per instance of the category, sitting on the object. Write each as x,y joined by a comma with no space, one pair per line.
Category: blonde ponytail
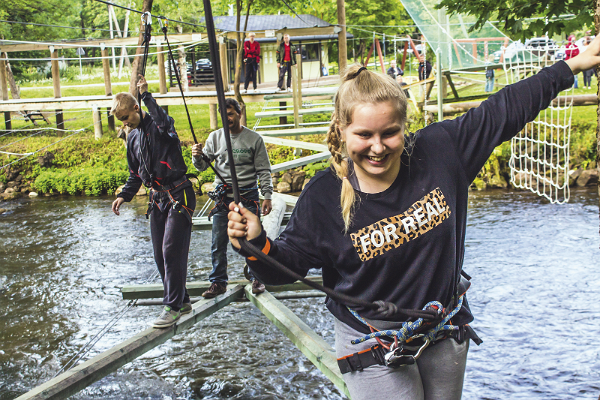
359,86
340,165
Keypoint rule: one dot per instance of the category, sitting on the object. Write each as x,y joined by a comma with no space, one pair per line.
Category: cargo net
539,159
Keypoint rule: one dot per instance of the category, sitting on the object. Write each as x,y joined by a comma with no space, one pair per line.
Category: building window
310,52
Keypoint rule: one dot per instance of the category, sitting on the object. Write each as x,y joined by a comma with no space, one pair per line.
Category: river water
63,260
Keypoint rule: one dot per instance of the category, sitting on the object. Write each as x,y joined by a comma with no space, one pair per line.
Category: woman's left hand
590,58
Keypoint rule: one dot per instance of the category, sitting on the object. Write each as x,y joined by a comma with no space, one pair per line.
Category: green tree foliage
515,15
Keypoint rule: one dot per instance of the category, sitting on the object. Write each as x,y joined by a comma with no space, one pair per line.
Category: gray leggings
438,374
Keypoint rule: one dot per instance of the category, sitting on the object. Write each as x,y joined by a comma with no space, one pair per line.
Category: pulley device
384,310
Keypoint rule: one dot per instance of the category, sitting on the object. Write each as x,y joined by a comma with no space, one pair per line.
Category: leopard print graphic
392,232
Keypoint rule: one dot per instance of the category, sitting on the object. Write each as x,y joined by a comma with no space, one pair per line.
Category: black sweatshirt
162,157
406,244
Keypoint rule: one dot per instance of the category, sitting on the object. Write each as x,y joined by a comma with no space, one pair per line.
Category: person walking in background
588,73
395,71
252,162
571,51
155,159
251,59
285,57
424,70
489,79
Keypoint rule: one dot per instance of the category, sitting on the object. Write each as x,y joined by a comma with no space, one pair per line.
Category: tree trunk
14,89
240,55
136,67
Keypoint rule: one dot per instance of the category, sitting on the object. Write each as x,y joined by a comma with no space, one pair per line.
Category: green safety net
450,36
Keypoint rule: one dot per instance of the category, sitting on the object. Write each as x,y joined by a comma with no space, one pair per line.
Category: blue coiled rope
409,328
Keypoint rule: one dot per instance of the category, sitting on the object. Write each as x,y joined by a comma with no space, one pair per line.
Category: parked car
535,47
541,46
510,53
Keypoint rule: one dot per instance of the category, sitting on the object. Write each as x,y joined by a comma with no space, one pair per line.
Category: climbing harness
412,338
219,196
384,310
160,193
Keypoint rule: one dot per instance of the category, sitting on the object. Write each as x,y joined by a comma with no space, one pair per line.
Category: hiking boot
186,308
257,287
215,289
167,318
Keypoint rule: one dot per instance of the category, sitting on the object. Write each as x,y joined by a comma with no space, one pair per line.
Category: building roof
270,22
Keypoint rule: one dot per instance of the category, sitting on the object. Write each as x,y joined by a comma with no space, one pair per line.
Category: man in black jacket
155,159
285,57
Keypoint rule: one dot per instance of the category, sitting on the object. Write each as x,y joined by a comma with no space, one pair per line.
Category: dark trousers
171,231
587,77
251,67
286,66
220,240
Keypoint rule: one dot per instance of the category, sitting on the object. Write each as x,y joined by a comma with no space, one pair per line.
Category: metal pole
439,79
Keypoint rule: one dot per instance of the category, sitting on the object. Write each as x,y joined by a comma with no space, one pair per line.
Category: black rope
383,309
141,12
164,28
145,140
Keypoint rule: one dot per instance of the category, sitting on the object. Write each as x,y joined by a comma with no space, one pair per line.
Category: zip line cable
383,309
155,16
72,362
61,26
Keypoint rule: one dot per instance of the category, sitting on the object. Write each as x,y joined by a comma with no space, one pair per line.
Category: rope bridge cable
75,132
185,45
142,12
72,362
59,26
383,309
38,130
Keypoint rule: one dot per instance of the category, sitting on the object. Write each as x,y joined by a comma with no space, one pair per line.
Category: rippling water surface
536,284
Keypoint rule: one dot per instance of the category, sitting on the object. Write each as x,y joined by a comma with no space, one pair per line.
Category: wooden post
224,64
342,45
214,117
380,55
107,84
162,76
404,55
283,105
295,97
97,122
306,340
56,86
4,87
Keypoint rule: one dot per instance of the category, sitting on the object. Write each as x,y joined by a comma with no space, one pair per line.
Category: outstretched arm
590,58
165,124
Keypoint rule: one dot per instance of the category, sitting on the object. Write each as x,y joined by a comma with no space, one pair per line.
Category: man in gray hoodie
251,162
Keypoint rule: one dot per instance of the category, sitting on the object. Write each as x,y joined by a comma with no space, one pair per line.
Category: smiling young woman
387,222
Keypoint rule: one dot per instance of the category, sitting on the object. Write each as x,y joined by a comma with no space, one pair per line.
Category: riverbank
82,165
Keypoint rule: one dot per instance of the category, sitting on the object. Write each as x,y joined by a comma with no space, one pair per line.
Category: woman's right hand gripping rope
242,223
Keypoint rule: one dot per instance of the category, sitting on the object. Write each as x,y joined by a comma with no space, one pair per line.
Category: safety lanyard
164,26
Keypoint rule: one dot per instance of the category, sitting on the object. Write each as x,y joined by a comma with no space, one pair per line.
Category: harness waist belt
170,186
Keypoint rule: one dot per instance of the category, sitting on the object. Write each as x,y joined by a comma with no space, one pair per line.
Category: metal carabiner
163,22
147,18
